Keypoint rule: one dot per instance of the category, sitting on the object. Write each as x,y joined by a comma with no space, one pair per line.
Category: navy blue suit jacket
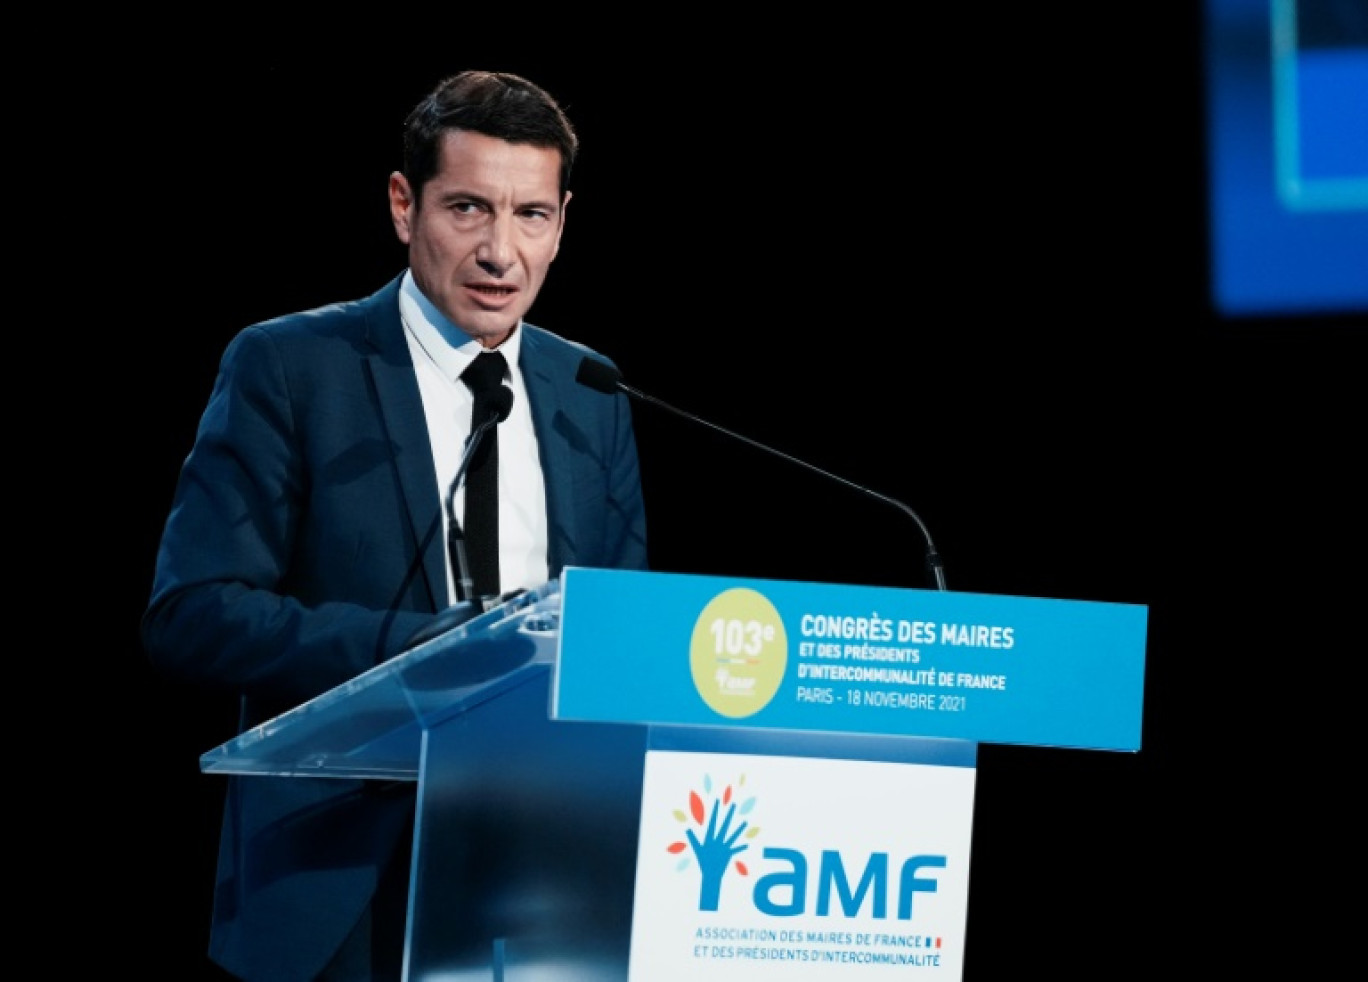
304,545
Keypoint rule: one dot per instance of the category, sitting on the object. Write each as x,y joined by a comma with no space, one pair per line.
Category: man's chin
490,328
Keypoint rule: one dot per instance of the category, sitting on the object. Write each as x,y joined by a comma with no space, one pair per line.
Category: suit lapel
545,400
401,410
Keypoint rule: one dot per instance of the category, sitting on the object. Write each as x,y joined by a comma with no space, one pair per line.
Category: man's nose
496,253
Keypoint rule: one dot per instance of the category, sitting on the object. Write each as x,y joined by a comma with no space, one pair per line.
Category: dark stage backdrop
960,259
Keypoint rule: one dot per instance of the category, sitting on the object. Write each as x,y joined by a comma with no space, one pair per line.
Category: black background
959,258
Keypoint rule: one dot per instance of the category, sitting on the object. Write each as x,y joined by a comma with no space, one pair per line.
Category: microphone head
500,403
598,375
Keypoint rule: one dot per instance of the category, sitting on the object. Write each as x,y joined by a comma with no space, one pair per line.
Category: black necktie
484,376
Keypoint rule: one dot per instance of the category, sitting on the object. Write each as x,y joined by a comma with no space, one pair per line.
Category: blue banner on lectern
686,649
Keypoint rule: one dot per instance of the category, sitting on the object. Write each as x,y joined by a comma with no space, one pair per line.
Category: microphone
500,405
603,377
467,606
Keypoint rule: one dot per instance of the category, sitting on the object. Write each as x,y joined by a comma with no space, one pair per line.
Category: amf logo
717,839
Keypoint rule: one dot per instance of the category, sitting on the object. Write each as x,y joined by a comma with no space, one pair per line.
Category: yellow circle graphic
738,652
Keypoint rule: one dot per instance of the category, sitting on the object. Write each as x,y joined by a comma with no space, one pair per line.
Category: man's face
489,225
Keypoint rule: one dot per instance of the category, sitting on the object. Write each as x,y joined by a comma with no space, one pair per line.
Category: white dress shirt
441,351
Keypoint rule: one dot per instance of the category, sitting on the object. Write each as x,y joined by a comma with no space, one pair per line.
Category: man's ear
403,205
565,206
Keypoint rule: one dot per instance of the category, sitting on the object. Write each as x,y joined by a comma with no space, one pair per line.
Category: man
307,541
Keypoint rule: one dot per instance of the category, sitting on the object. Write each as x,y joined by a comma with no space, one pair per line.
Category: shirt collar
450,348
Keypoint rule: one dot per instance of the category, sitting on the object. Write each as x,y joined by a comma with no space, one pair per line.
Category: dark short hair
498,104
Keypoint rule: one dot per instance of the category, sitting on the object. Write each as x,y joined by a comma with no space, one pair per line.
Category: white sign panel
786,869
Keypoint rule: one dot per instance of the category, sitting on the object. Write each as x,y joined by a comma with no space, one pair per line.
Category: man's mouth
493,290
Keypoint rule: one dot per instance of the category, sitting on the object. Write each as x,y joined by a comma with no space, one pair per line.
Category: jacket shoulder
373,319
549,344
